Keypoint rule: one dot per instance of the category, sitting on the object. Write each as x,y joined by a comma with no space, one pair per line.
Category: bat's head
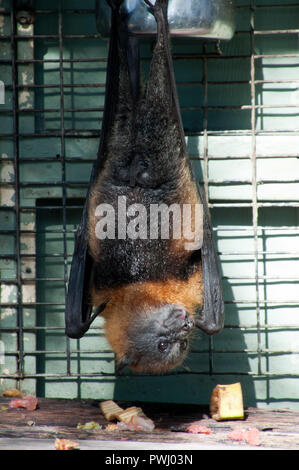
157,339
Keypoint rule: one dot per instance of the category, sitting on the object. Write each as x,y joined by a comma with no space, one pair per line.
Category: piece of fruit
133,417
251,436
237,435
137,423
198,429
128,413
12,392
88,426
136,419
227,402
65,444
30,403
110,410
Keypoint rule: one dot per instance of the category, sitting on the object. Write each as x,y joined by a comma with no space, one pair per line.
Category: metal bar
102,85
266,351
55,11
275,6
63,169
202,181
175,57
254,182
96,133
100,330
5,37
206,166
280,302
235,278
52,110
41,61
275,31
184,108
212,205
222,253
68,133
78,159
91,11
53,36
20,361
261,278
176,373
275,56
74,159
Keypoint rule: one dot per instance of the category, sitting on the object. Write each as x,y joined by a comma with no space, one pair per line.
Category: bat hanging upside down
134,260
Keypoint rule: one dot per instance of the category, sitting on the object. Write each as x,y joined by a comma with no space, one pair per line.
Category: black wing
211,318
78,308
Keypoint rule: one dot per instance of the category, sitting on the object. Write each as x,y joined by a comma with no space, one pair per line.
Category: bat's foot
157,5
159,8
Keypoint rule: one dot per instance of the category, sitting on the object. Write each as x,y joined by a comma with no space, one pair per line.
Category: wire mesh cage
239,103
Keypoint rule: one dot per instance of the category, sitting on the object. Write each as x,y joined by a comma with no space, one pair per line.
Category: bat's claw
150,4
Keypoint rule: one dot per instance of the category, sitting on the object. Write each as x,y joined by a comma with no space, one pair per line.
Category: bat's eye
163,345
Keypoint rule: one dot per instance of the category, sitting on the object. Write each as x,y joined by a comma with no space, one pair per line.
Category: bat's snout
180,320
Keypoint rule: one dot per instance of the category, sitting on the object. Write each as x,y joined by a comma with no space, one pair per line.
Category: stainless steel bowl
213,19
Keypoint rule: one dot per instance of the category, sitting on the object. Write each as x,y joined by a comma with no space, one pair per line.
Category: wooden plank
279,429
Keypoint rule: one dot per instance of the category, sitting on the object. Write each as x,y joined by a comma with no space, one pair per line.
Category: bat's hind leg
125,90
159,143
159,89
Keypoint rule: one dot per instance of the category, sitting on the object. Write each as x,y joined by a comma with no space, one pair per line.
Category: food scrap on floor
12,392
251,436
30,403
132,418
198,429
65,444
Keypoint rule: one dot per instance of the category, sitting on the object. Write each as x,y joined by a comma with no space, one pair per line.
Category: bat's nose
189,323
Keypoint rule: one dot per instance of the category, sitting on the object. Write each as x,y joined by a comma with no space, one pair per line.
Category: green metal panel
232,147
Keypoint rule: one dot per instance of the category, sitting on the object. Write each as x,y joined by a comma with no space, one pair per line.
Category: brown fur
187,193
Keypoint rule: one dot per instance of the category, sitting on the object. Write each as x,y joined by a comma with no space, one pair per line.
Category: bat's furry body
155,286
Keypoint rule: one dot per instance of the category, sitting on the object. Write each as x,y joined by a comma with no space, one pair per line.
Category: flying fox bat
152,290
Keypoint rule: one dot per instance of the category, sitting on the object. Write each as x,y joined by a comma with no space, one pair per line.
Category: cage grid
55,115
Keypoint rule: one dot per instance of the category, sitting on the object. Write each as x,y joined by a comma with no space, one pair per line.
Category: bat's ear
120,364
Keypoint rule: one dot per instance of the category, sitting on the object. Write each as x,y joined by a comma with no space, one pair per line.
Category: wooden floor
22,429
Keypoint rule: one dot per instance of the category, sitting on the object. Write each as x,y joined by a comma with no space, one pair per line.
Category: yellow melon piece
227,402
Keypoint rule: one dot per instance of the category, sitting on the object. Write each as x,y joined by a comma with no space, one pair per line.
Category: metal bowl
209,19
